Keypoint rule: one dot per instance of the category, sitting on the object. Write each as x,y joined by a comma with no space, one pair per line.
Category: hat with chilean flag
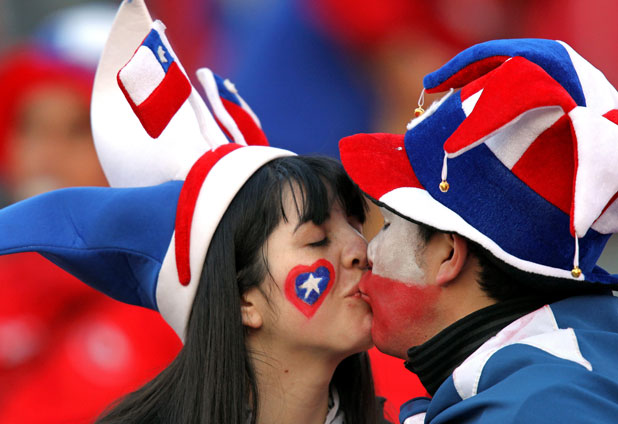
172,168
519,156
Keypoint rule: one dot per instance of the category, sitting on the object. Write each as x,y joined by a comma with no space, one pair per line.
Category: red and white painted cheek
306,286
399,309
400,297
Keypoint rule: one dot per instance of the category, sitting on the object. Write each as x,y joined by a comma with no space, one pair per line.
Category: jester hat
518,156
174,168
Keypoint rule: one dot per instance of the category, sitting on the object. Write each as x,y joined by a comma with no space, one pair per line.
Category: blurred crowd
314,71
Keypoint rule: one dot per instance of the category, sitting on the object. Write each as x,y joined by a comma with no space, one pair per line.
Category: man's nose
371,253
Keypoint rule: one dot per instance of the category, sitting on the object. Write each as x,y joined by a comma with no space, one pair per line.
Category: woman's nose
355,251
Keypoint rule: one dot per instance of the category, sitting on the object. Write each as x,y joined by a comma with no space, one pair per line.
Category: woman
253,354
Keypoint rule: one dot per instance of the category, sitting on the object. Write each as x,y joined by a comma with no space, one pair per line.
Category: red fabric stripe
575,165
516,87
160,107
612,115
186,206
378,163
469,73
475,86
248,127
547,166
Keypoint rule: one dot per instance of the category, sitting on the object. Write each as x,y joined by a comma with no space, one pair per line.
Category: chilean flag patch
153,84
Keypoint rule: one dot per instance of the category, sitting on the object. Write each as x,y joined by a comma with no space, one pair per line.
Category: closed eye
386,225
324,242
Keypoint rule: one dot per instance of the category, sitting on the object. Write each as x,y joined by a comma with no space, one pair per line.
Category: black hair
501,281
212,379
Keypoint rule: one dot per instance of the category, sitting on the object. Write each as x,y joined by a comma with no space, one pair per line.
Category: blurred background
313,70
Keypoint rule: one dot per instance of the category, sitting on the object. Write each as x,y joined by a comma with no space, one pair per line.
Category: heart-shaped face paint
307,286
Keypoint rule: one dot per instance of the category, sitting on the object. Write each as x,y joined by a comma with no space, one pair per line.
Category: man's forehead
391,216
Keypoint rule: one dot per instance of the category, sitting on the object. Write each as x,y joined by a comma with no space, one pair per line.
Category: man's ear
454,261
251,315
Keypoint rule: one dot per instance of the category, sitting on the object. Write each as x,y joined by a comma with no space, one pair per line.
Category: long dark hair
212,379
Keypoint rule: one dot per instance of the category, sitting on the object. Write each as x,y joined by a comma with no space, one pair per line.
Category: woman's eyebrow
307,221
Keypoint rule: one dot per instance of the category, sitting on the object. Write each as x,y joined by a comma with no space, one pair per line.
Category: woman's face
312,283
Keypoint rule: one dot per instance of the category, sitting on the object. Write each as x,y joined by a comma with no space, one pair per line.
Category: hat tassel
444,186
421,101
576,272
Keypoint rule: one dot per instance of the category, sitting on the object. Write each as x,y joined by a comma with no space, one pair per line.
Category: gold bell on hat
421,101
444,186
576,272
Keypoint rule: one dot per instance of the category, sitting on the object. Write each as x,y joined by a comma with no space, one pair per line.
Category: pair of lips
365,279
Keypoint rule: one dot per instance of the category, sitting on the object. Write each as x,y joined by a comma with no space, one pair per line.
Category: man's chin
387,345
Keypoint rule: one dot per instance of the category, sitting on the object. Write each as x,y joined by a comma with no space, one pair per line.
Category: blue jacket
558,364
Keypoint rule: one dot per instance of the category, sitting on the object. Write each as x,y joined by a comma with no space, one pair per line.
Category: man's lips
362,286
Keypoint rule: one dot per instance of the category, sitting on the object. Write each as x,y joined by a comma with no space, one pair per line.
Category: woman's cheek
306,286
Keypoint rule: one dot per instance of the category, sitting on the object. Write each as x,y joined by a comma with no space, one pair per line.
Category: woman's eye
386,225
320,243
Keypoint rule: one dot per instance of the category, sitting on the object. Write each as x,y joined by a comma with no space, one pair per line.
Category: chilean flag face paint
307,286
154,84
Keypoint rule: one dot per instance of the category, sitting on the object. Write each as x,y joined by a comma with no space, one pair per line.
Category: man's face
399,288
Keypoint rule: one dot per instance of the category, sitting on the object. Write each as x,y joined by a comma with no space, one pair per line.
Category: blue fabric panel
548,54
224,92
413,407
524,384
154,43
521,383
489,197
113,239
307,92
595,320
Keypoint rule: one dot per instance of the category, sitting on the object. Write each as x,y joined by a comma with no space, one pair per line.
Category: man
497,204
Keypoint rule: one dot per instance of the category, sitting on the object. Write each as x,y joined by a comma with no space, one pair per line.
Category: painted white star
311,285
161,54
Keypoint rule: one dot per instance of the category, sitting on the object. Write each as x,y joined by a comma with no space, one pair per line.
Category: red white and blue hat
519,156
173,168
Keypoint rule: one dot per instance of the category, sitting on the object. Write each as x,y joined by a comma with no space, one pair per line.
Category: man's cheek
397,304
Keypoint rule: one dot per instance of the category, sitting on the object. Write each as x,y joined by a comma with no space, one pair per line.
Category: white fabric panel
468,104
142,75
600,95
606,224
596,178
537,329
511,141
206,77
416,419
224,180
128,155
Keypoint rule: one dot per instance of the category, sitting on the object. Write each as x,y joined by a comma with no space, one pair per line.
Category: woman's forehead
301,204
